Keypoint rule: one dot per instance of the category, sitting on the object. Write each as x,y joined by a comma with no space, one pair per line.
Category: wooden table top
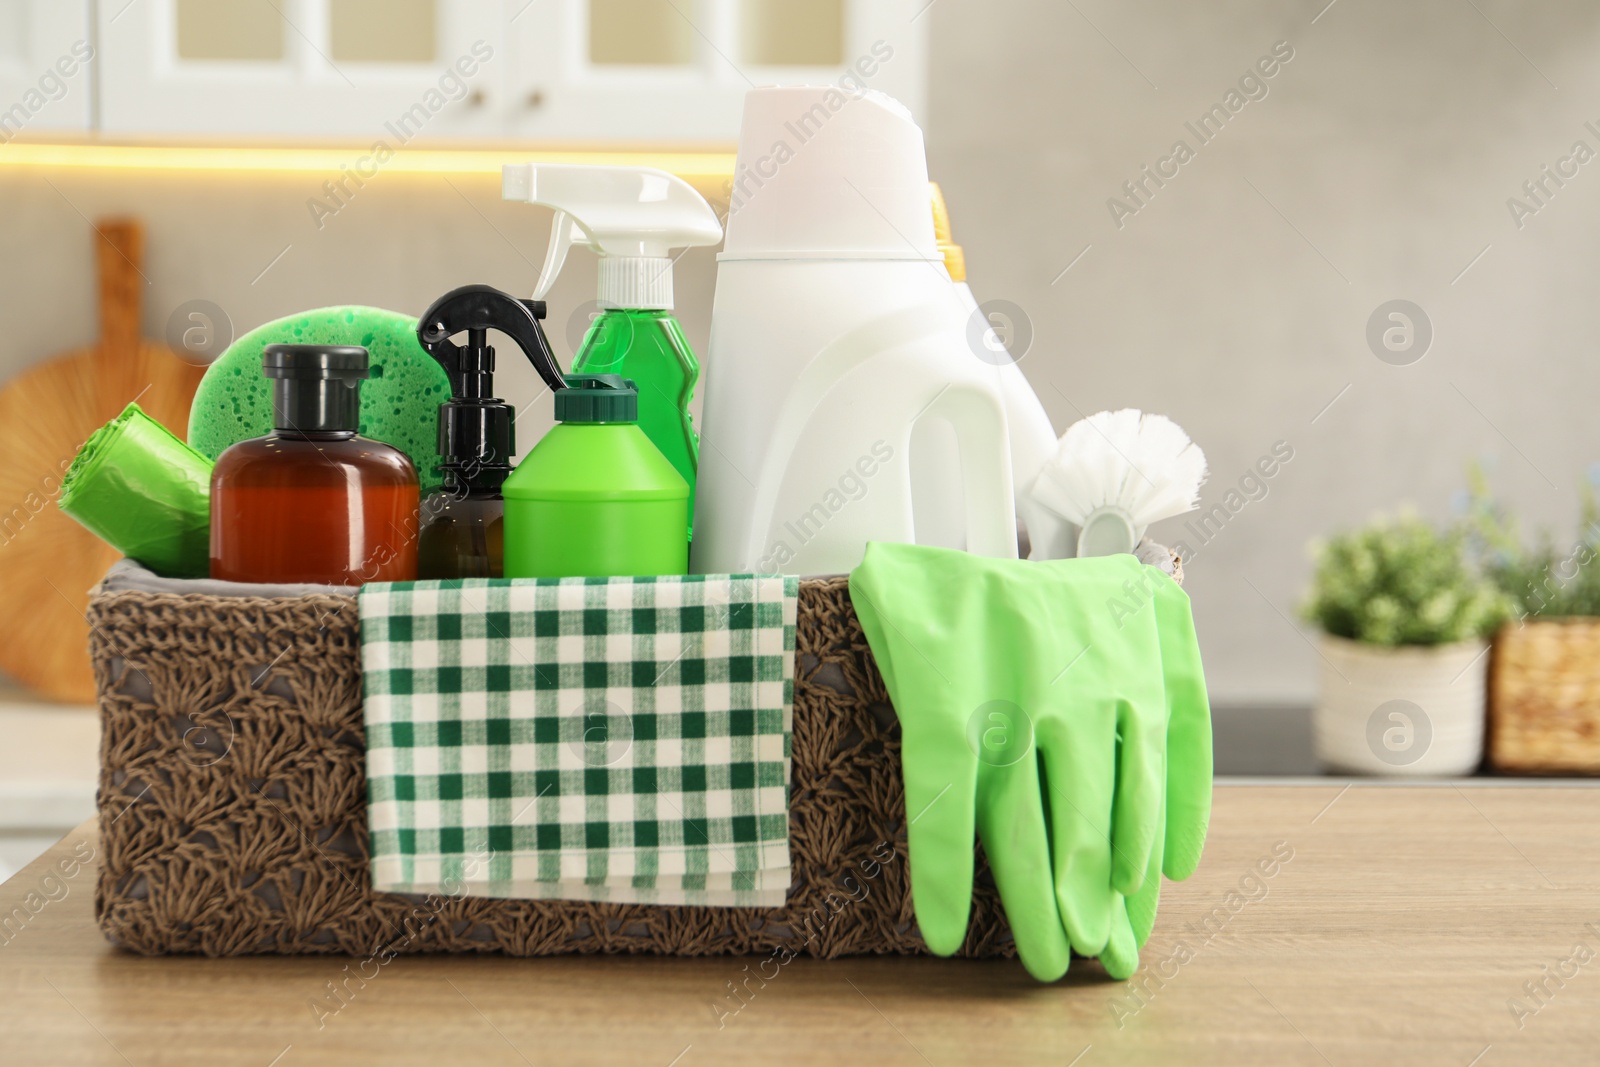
1328,924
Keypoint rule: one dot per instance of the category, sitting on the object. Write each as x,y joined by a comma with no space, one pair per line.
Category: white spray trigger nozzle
565,231
632,217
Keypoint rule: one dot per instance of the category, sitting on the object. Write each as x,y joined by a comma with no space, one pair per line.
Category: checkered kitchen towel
614,739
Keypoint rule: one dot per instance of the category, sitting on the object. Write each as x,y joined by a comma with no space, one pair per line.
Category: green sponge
399,401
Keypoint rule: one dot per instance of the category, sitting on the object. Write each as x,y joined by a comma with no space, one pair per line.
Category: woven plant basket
1544,697
233,802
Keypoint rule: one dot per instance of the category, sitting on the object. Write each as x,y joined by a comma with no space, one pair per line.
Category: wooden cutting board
47,561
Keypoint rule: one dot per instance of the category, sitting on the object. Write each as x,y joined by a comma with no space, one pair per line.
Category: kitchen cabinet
49,768
45,55
366,70
677,70
593,71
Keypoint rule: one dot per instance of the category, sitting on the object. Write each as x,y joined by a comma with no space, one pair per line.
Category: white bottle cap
826,174
635,282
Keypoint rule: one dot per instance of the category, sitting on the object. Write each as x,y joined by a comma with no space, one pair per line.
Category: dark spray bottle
463,523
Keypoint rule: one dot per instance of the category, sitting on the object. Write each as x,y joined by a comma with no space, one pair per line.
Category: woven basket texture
233,802
1544,698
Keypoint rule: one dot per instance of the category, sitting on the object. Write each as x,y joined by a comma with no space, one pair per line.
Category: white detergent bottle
835,330
940,517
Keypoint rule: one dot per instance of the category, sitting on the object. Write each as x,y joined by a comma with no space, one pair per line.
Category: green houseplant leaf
1402,582
1548,580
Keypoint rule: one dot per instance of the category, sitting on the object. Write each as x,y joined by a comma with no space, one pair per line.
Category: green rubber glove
1189,772
1033,706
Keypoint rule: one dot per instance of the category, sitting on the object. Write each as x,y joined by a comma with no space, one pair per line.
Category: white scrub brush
1112,475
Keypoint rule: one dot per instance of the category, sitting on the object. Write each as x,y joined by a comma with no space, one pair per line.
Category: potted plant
1544,682
1405,618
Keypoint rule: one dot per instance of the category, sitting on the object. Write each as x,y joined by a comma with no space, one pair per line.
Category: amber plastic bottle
312,501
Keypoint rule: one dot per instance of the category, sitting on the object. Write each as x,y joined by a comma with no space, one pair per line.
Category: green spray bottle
632,218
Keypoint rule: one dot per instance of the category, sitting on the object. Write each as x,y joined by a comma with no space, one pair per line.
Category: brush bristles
1144,464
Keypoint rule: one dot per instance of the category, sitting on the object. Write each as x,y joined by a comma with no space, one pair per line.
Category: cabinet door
388,70
45,76
677,70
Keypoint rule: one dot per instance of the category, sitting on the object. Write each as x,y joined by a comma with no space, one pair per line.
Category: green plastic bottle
632,218
595,498
648,347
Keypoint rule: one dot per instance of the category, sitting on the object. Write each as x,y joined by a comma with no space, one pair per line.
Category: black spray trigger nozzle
476,428
474,310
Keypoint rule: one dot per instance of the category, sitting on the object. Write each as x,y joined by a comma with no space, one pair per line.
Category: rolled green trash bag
145,493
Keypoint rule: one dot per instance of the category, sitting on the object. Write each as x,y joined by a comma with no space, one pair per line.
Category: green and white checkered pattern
615,739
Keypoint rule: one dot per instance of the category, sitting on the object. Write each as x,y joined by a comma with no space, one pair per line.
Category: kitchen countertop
1330,923
48,769
49,764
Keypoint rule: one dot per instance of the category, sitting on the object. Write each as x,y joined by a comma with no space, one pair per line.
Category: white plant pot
1401,712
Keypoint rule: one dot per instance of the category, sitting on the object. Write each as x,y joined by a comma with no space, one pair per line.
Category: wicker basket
233,801
1544,698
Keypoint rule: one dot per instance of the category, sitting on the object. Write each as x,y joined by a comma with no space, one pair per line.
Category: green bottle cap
598,398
